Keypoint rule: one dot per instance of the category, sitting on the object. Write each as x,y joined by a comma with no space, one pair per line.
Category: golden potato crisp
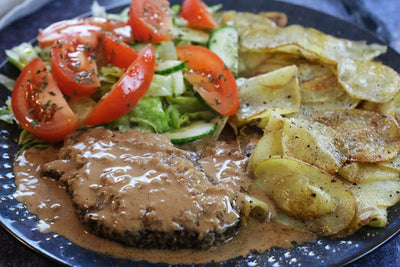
258,32
368,80
277,90
312,199
365,136
313,143
318,83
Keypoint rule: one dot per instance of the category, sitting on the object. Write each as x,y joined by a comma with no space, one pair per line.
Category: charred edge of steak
147,239
52,174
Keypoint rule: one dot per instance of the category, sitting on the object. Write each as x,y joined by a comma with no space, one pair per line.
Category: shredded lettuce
148,114
161,114
109,75
176,9
21,55
123,16
6,113
7,82
161,86
167,85
186,104
215,8
100,11
28,140
175,118
164,51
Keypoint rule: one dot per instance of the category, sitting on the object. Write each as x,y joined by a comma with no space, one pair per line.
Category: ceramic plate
17,219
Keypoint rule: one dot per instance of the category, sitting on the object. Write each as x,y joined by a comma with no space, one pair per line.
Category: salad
155,68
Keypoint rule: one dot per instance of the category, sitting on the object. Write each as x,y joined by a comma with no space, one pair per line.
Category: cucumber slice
224,41
173,66
165,51
192,132
168,80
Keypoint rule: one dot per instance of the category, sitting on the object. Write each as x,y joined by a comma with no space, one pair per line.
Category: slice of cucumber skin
192,132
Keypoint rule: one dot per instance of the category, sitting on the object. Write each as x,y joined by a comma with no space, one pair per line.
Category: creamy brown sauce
49,200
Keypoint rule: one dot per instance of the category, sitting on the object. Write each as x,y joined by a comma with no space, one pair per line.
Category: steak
137,188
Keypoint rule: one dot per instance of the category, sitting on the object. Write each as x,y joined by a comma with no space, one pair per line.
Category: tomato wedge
129,89
116,52
150,20
74,68
197,14
83,27
39,105
209,77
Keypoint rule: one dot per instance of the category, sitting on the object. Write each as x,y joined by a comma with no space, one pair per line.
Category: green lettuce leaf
21,55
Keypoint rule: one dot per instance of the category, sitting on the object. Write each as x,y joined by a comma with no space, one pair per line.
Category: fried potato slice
342,102
312,199
270,145
258,32
393,164
245,21
271,122
277,90
259,61
365,136
313,43
256,208
318,83
297,49
368,80
396,102
313,143
387,108
326,46
372,200
363,172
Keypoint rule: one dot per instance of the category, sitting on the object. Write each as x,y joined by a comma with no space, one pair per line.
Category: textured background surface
13,253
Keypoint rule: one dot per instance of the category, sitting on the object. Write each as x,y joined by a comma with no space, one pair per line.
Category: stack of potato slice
329,154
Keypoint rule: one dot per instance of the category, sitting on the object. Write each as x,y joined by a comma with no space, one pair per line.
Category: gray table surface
13,253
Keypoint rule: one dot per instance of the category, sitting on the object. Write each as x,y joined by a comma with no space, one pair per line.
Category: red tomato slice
200,58
129,89
150,20
39,105
74,68
117,53
215,84
82,27
197,15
